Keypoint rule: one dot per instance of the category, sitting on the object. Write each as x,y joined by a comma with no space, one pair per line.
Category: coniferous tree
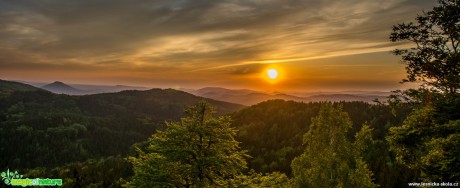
428,147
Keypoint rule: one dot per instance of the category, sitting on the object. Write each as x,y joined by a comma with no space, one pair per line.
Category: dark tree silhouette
429,138
435,59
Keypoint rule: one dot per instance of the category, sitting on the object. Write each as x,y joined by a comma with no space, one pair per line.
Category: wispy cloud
192,35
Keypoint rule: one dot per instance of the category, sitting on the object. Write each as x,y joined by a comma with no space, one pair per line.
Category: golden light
272,73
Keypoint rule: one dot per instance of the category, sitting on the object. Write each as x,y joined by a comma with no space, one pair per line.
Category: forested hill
8,87
272,132
39,128
42,129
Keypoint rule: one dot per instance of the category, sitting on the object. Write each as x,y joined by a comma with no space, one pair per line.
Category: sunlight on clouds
361,50
198,43
227,41
26,28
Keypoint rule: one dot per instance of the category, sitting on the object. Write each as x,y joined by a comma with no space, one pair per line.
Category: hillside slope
8,87
82,89
39,128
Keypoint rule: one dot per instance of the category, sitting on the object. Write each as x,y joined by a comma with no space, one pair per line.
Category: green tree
428,140
254,179
430,148
198,151
330,159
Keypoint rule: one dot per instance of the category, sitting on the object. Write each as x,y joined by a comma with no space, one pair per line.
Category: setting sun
272,73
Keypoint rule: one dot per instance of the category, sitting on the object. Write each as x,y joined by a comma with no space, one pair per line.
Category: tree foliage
42,129
256,180
428,140
435,59
430,148
104,172
330,159
198,151
272,132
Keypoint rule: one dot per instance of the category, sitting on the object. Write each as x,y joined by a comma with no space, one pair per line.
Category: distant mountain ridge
251,97
95,89
60,88
238,96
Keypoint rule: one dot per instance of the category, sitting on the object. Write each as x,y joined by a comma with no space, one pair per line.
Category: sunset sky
317,45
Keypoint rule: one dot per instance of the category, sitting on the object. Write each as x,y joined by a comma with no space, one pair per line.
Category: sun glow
272,73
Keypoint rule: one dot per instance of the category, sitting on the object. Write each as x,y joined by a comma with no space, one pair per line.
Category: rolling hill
8,87
251,97
42,129
59,87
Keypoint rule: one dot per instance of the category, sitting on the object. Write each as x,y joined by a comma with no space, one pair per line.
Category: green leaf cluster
330,159
198,151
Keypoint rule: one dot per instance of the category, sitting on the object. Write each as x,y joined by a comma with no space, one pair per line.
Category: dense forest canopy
71,133
39,128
